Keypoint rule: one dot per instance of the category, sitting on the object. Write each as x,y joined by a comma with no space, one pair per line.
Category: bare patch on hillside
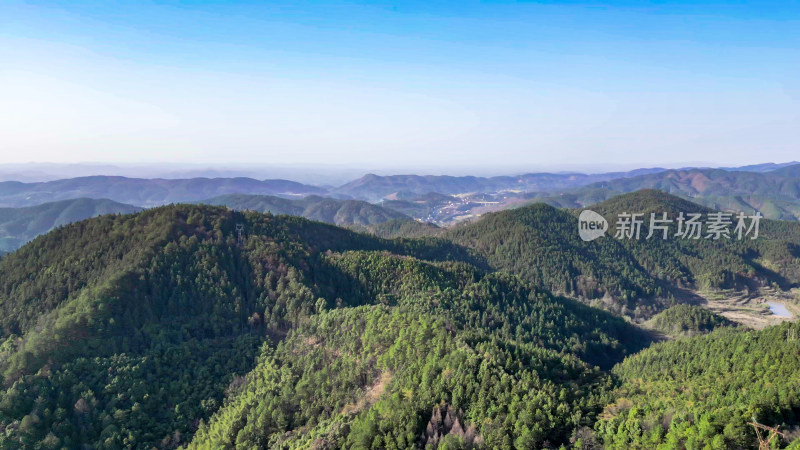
751,309
371,394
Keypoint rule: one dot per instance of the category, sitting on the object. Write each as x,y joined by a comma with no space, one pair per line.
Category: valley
754,310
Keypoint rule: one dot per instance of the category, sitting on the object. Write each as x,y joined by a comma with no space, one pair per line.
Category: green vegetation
499,304
541,244
161,329
118,294
127,331
371,378
20,225
635,278
404,228
708,263
701,392
687,320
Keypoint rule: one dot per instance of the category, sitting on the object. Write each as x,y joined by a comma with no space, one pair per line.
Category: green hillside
687,320
706,263
488,348
702,392
404,228
131,331
631,277
20,225
374,378
118,299
161,329
541,244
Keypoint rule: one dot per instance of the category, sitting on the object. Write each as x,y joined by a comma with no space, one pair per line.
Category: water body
779,309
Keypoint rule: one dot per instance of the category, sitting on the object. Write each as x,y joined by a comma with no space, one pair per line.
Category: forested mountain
541,243
702,392
162,329
772,189
488,349
19,225
144,192
132,330
373,187
687,320
404,228
772,258
339,212
775,193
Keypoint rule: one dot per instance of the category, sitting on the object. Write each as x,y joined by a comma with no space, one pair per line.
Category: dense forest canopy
20,225
165,329
632,277
88,339
702,392
688,320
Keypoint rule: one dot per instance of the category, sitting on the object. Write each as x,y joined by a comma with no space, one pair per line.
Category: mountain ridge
775,194
772,189
19,225
163,328
128,330
144,191
335,211
540,243
375,187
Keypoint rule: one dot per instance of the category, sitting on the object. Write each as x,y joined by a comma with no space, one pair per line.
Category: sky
437,86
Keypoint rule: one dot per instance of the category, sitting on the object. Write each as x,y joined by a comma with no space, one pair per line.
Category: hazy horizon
321,175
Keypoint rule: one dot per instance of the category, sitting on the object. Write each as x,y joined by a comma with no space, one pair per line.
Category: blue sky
518,85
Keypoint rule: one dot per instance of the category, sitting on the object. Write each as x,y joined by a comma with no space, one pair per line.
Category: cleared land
751,309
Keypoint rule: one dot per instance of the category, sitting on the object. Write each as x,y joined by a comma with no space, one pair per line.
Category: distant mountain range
145,192
338,212
776,194
19,225
35,208
766,167
373,187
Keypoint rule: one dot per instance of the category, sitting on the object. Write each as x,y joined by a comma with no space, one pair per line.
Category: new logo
591,225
